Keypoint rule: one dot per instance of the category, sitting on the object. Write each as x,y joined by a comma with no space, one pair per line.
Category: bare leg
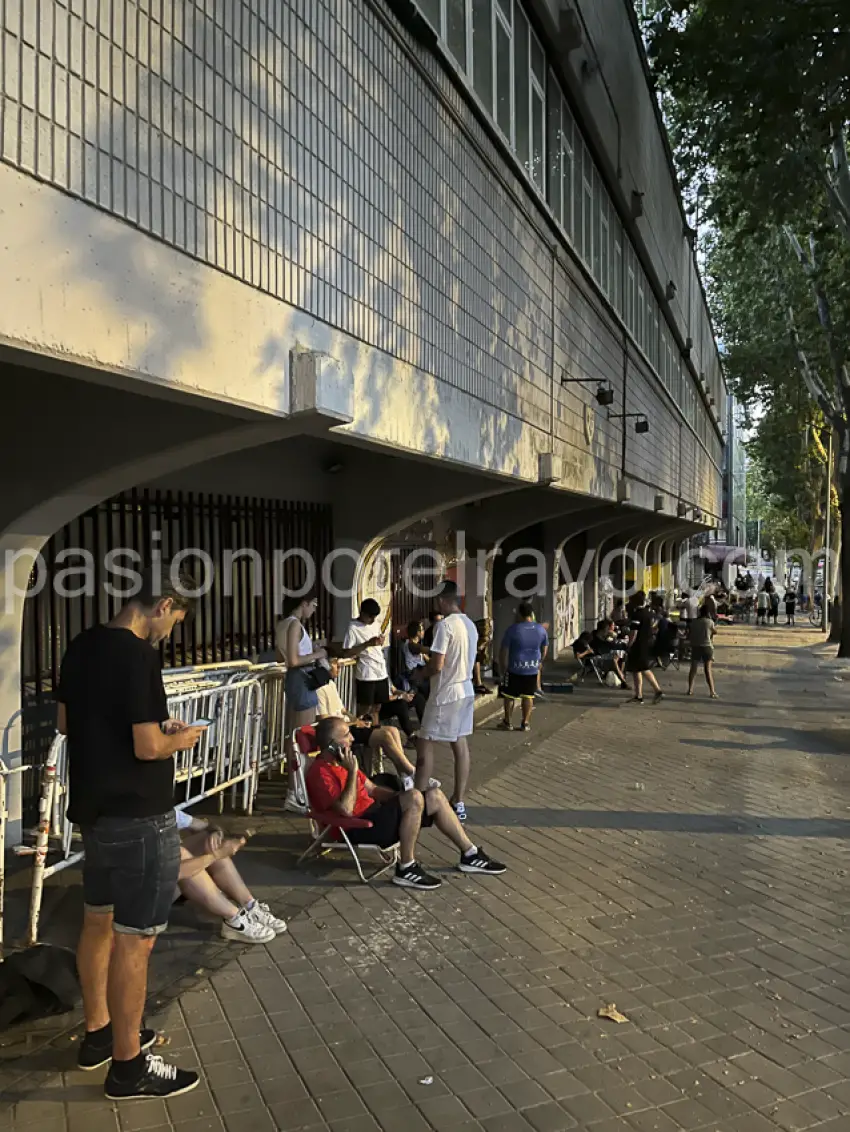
424,762
203,891
709,676
388,741
527,707
93,952
692,675
445,819
509,710
126,991
460,749
638,685
412,804
651,678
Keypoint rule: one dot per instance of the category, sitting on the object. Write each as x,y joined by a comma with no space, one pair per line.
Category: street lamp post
828,538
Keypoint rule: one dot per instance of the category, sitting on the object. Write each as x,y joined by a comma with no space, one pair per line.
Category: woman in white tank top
297,652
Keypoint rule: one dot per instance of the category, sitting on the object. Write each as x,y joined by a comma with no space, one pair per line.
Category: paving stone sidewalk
686,862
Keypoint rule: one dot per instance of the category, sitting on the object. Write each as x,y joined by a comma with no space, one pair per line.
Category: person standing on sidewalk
639,659
701,633
448,716
121,747
524,648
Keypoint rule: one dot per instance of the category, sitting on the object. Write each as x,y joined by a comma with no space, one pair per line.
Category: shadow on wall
440,275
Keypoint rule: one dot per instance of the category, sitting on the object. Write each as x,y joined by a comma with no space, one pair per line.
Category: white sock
250,905
471,851
233,922
406,864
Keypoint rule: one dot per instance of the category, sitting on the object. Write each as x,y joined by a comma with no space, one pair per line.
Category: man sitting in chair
380,740
335,783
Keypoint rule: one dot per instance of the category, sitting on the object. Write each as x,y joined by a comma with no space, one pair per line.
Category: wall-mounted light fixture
670,292
641,423
604,389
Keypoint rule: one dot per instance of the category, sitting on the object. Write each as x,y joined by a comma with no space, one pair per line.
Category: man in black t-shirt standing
121,747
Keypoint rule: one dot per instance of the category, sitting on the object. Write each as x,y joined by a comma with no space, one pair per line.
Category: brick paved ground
686,862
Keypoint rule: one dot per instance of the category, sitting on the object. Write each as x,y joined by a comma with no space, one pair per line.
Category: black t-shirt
641,622
110,680
601,645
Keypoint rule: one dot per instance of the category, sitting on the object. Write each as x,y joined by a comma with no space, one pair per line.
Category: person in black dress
639,660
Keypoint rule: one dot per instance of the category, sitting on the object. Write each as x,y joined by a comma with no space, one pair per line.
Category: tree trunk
844,494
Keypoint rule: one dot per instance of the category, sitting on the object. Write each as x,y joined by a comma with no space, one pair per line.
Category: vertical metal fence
241,539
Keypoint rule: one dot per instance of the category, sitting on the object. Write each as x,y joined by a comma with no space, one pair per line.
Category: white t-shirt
330,703
371,663
692,607
456,638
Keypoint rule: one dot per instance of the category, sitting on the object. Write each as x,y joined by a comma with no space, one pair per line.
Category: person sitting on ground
415,655
521,657
701,634
604,644
482,656
583,647
379,740
376,697
209,878
334,782
434,618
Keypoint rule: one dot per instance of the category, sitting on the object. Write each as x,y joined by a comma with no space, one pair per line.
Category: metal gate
234,620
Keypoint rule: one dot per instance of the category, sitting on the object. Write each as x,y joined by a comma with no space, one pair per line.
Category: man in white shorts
449,712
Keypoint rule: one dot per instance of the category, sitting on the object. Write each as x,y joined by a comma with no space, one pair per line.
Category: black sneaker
479,862
525,727
94,1054
658,697
157,1079
415,877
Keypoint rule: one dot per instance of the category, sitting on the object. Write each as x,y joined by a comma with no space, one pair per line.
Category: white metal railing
5,774
247,706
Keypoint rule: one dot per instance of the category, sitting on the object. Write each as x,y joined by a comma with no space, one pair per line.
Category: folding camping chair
325,828
587,665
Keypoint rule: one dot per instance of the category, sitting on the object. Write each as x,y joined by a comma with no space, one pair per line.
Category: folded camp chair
587,665
327,828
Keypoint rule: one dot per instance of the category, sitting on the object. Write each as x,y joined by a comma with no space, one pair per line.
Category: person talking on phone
335,782
121,747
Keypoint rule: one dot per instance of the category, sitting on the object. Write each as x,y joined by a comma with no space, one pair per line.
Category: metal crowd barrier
247,706
5,774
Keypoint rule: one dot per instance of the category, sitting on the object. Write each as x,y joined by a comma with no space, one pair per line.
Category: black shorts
702,653
519,686
131,869
361,735
386,823
373,692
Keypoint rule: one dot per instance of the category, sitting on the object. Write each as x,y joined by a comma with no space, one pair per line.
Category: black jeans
400,710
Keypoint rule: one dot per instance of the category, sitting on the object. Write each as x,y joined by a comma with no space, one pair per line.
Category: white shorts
446,723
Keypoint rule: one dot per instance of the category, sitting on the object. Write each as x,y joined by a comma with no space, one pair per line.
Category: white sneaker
244,929
262,914
294,804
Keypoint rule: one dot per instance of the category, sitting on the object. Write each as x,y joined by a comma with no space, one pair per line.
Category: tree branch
838,181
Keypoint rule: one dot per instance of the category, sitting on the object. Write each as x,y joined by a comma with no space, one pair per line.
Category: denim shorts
298,696
131,869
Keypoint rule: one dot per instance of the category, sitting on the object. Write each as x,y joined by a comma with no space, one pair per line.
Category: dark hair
326,731
604,623
370,607
449,590
639,599
291,603
525,609
413,627
165,580
586,636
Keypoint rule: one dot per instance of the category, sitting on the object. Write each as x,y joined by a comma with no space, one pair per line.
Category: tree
757,97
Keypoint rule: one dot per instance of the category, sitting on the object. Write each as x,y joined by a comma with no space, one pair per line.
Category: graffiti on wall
568,616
